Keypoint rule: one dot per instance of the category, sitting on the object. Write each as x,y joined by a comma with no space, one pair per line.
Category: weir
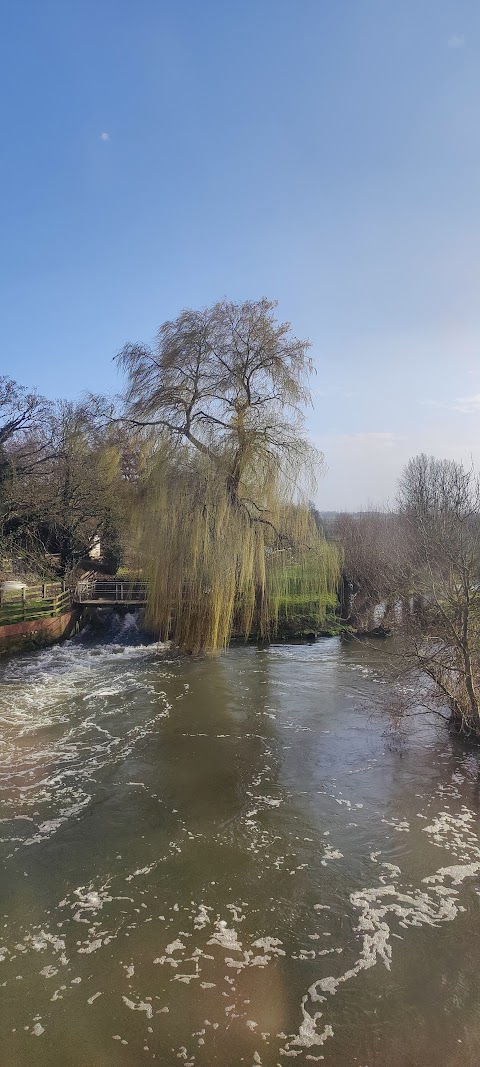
48,612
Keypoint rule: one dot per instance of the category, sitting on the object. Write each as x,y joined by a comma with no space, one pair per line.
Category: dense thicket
63,481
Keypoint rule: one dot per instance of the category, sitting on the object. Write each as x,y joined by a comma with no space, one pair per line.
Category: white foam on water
225,937
139,1005
202,917
43,940
175,946
270,945
330,853
91,946
95,996
55,732
433,905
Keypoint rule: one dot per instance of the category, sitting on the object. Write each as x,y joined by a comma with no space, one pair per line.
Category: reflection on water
226,862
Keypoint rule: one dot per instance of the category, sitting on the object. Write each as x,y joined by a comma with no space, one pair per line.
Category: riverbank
38,633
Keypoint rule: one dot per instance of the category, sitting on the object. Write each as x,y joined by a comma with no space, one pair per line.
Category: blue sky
161,154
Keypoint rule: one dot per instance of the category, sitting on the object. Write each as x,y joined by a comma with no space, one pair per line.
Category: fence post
23,603
43,590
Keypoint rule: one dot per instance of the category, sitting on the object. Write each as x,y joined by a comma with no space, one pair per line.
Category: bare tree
67,484
23,443
372,577
21,410
231,382
440,506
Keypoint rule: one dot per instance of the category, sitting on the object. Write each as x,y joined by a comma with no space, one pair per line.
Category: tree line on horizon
200,476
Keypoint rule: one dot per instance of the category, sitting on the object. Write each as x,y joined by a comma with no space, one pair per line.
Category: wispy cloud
367,438
468,405
104,136
457,40
334,391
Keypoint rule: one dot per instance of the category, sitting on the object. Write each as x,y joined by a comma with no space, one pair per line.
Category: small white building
95,550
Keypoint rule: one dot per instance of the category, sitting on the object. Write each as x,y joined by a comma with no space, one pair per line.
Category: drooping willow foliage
223,535
303,586
217,570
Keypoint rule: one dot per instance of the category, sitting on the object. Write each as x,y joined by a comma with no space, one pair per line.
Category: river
231,861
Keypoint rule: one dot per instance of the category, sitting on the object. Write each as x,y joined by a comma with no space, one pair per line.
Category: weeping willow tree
224,534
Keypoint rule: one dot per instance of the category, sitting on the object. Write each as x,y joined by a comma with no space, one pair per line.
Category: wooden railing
42,601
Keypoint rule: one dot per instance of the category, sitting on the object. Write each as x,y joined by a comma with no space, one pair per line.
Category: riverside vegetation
201,475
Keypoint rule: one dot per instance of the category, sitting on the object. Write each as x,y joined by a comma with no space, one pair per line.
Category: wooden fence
43,601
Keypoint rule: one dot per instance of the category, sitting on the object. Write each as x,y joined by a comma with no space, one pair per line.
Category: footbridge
100,594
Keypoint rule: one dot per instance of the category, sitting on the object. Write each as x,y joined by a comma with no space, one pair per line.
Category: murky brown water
228,862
